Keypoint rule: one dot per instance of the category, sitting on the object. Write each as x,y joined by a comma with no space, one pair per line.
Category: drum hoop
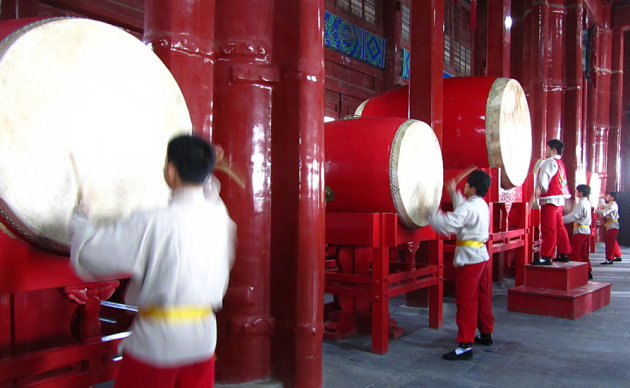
9,219
6,43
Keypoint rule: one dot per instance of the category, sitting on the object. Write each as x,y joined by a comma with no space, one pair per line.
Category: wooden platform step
559,276
569,304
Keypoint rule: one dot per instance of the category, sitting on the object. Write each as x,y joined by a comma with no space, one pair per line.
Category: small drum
383,164
480,113
84,91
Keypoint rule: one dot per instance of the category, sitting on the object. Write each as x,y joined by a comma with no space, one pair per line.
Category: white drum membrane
88,90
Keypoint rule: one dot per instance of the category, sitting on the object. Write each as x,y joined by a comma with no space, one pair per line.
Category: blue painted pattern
353,41
404,69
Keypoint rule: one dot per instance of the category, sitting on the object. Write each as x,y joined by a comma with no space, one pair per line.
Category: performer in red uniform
551,191
610,211
179,259
581,218
470,223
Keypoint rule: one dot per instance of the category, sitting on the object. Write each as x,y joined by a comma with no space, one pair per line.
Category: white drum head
83,89
508,131
416,173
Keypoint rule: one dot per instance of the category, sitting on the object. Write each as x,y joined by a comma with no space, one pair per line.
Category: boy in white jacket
610,211
469,221
179,259
581,218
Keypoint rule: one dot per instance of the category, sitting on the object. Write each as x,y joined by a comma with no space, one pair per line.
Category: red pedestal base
373,258
561,290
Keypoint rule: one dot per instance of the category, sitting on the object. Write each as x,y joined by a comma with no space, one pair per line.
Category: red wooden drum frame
80,89
480,113
383,164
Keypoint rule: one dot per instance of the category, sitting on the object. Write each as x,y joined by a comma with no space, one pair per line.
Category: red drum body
486,123
82,90
383,164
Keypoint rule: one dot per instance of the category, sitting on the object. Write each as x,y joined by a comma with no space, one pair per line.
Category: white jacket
176,256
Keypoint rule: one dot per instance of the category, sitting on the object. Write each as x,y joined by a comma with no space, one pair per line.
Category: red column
498,38
553,83
181,34
244,77
625,132
427,63
600,102
616,107
297,184
572,131
531,57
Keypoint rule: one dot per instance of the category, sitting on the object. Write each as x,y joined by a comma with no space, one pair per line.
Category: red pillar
553,84
532,58
600,102
297,184
244,78
181,34
498,38
427,63
625,121
573,133
616,107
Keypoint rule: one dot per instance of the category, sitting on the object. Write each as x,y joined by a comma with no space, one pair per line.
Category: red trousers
473,297
553,232
612,246
134,373
580,248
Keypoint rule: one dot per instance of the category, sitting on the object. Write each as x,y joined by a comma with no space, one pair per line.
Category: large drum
486,123
383,164
84,104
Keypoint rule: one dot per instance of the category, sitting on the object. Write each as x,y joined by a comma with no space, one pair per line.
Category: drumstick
222,166
464,173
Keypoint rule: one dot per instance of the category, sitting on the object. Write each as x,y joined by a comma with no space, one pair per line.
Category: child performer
470,223
581,218
552,190
179,259
610,211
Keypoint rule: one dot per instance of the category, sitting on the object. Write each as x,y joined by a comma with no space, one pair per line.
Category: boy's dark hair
584,189
192,156
556,145
613,194
480,181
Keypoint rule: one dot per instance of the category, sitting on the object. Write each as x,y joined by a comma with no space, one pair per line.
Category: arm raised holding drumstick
178,258
451,185
469,222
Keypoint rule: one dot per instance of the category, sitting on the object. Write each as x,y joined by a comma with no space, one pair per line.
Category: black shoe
563,258
484,339
617,259
452,356
607,262
590,275
542,261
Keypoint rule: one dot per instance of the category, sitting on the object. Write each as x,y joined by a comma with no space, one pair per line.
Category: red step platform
561,290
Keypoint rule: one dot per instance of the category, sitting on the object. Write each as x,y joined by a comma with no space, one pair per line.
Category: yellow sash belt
610,222
581,225
176,314
468,243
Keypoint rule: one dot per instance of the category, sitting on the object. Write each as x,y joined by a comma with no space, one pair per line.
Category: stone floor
529,350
